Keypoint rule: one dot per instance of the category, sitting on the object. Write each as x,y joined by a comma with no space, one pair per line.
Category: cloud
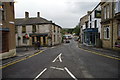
65,13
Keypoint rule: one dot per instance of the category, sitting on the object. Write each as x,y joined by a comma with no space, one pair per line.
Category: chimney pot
38,14
26,14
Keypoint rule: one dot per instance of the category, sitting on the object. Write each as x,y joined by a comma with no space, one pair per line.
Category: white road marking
86,74
57,68
40,73
71,74
59,56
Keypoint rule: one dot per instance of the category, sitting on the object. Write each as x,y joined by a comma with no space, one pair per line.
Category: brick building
7,30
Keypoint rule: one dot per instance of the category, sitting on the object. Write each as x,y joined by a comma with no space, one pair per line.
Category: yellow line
100,54
14,62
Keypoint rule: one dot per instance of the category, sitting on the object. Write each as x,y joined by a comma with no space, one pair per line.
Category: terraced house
7,30
110,25
29,30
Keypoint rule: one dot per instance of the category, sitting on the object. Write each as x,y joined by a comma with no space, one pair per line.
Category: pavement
108,52
22,52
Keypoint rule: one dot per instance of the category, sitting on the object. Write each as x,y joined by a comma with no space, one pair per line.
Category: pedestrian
38,45
35,45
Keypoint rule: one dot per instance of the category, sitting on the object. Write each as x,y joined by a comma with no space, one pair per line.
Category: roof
31,21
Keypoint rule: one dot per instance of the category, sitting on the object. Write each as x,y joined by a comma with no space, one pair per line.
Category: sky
65,13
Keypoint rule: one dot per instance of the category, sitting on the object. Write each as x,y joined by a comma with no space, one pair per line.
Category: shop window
106,32
5,44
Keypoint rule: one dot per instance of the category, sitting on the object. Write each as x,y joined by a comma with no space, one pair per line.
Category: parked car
67,41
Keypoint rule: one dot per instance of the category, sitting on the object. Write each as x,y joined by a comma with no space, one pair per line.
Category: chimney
26,14
38,14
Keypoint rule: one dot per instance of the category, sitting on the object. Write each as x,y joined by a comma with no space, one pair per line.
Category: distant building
37,29
7,30
110,25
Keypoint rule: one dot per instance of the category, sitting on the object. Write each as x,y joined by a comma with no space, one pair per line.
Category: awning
91,30
4,29
38,34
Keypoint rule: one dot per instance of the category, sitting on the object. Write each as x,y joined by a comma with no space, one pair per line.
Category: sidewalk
22,52
108,52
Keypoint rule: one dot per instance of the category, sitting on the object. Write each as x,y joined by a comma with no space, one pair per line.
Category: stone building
110,22
37,29
7,30
83,25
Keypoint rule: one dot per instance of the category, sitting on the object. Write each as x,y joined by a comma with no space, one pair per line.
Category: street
66,61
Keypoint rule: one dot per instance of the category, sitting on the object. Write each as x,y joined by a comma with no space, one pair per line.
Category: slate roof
31,21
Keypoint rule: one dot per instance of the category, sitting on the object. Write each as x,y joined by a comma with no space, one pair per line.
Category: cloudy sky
65,13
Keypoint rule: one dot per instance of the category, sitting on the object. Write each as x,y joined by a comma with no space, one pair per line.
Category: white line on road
71,74
59,56
57,68
40,73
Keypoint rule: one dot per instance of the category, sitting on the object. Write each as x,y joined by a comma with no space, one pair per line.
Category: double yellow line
18,60
100,54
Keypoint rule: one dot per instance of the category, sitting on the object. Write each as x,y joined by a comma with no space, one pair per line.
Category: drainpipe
112,25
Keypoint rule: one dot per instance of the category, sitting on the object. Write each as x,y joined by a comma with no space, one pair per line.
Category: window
95,24
5,43
86,24
119,30
106,32
23,29
90,25
104,12
108,13
90,17
24,40
33,28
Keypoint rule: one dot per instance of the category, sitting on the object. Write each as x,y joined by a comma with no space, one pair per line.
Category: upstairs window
90,17
95,23
23,29
33,28
104,12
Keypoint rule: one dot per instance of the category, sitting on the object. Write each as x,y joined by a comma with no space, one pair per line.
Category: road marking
100,54
19,60
40,73
59,56
70,74
86,74
57,68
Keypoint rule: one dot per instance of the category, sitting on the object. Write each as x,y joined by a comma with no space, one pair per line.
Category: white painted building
91,27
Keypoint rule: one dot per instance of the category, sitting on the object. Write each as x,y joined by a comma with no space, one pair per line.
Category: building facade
110,25
83,25
7,30
91,28
37,29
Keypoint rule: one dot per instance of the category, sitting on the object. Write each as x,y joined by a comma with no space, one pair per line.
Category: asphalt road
65,61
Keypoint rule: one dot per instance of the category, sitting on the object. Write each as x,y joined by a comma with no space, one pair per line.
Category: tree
76,30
